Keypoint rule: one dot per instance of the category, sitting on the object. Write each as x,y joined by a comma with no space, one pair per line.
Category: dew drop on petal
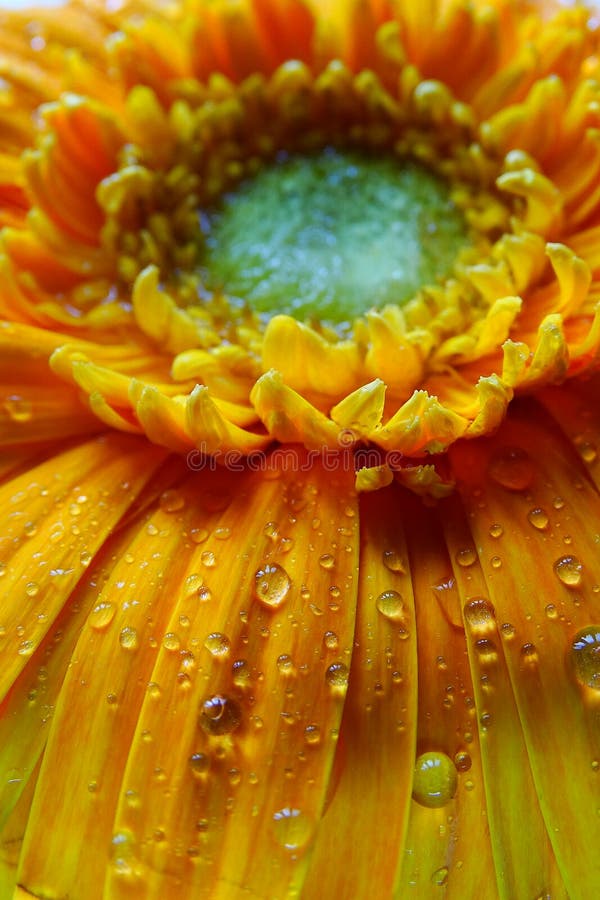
220,715
538,518
208,559
199,764
285,664
124,855
192,583
18,408
391,605
32,588
171,641
486,650
480,615
512,468
26,648
435,779
241,673
336,677
466,557
326,561
393,562
102,615
292,829
271,585
171,501
440,876
569,570
496,530
462,761
529,655
218,644
585,656
588,452
128,638
331,640
312,735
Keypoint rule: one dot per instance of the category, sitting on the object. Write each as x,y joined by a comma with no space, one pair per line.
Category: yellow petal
531,496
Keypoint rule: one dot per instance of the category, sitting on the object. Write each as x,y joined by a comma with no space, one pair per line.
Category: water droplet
241,673
204,594
551,611
220,715
32,588
588,452
234,777
462,761
585,656
327,561
171,641
496,530
171,501
391,605
496,562
486,650
312,735
512,468
192,583
198,535
26,648
128,638
222,534
331,640
292,829
440,876
199,764
85,558
435,780
529,655
123,855
18,408
285,664
569,570
393,562
466,557
218,644
538,518
102,615
271,530
480,615
208,559
272,585
336,677
507,630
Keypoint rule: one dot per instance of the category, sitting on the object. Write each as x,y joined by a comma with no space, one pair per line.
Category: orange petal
375,754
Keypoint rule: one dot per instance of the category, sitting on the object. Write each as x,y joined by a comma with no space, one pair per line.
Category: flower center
332,235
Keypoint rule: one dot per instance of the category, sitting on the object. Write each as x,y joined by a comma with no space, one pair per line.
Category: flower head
298,448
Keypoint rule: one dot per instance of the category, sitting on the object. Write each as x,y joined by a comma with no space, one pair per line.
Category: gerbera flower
299,427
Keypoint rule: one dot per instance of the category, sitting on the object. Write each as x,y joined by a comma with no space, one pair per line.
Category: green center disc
332,235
